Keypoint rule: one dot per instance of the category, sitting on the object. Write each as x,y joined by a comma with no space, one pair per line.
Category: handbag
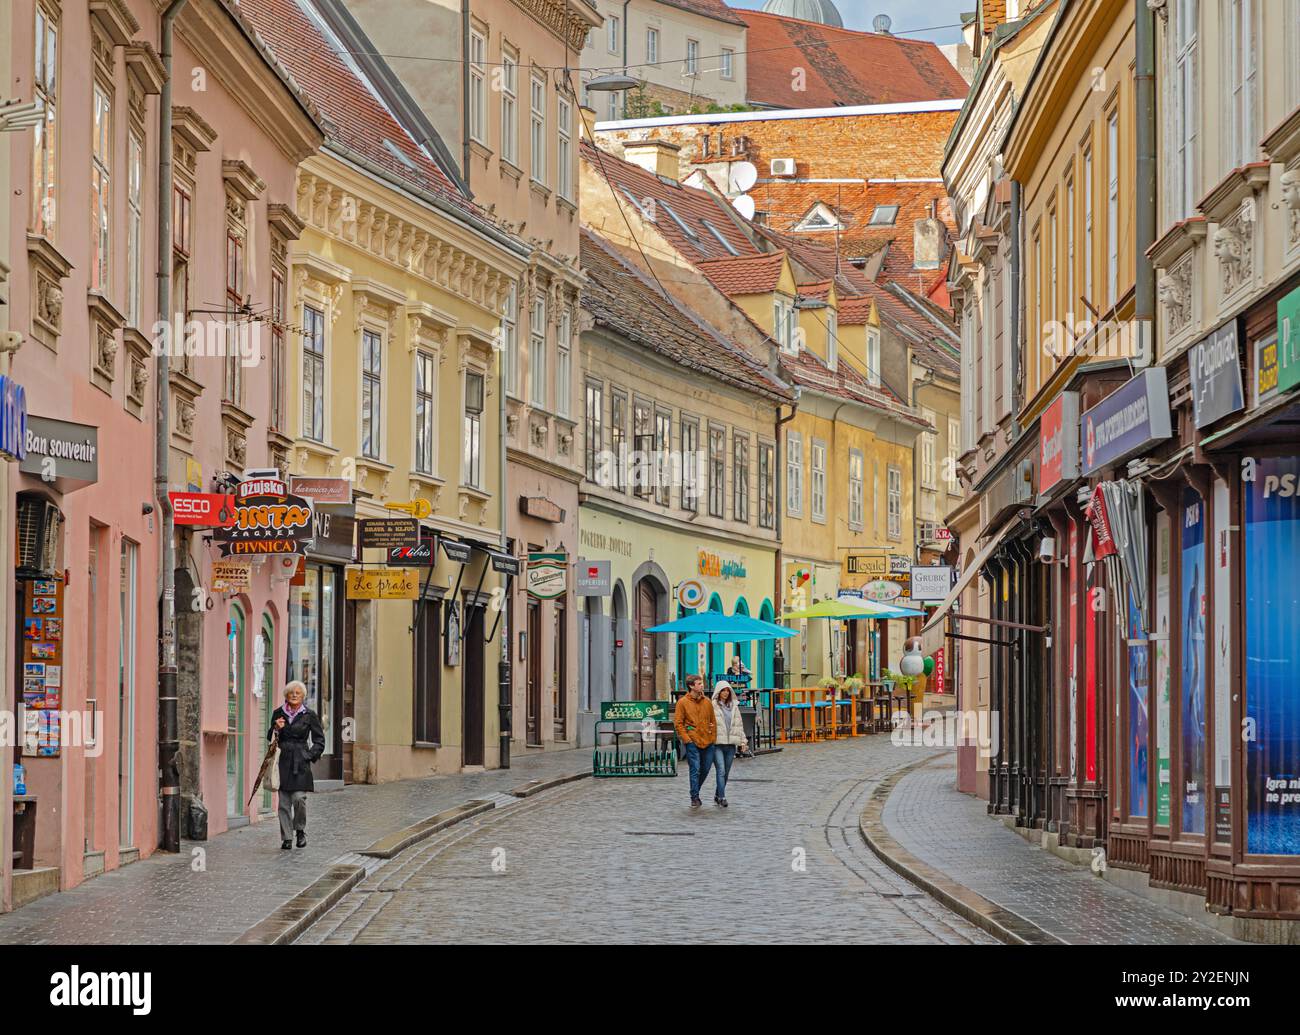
273,777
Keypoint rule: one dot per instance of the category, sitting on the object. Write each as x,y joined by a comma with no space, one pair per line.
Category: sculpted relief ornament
1234,247
1175,292
1291,203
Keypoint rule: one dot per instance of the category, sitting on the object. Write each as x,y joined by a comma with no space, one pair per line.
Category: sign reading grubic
634,711
1216,375
547,574
931,581
58,450
1126,421
387,533
592,579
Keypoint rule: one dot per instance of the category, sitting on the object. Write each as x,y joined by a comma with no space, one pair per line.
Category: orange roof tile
745,275
841,66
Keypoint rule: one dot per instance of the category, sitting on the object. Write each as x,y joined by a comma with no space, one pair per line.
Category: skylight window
721,240
678,220
819,217
399,154
646,213
884,215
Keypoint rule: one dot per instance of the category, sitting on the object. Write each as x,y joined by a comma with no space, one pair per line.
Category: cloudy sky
908,15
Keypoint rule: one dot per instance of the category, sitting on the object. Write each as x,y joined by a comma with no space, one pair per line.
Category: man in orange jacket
696,729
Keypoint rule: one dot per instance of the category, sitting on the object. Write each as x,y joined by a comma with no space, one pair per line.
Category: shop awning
932,633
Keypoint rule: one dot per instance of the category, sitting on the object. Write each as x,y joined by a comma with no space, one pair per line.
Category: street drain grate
660,833
749,779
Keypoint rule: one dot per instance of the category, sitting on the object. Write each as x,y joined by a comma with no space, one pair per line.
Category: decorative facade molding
188,126
145,67
114,20
559,19
49,270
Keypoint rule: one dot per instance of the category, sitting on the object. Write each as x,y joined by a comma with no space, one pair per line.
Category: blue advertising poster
1192,608
1273,657
1138,726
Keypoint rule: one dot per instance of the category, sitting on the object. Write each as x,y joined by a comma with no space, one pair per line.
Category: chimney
656,156
927,242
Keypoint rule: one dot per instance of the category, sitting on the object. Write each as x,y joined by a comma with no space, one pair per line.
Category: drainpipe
505,688
1020,337
464,114
169,835
780,488
1144,80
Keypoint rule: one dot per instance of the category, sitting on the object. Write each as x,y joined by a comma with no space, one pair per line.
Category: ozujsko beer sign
268,520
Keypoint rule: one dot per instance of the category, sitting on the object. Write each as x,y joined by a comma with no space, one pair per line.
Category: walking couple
711,730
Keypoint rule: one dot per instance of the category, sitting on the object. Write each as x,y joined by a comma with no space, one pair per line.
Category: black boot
286,843
302,839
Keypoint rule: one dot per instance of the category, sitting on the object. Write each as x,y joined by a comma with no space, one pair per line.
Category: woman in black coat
296,724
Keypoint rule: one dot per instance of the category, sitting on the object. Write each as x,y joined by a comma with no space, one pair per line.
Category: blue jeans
699,759
723,756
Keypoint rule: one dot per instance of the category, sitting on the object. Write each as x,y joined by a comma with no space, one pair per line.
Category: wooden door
349,685
645,641
474,694
533,727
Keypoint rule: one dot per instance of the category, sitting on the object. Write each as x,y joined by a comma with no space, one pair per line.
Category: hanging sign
1058,438
383,584
721,565
862,564
882,590
931,582
322,490
203,509
1216,375
690,593
421,554
504,563
418,509
387,533
61,451
1127,421
456,551
268,520
547,574
228,576
592,579
1288,341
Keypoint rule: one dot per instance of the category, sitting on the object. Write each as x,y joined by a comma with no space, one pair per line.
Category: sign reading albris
1216,376
58,450
1128,420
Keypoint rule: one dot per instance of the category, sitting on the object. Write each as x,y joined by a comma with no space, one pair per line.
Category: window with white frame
1241,69
651,46
101,196
817,470
537,353
832,340
593,433
894,489
643,445
313,373
537,126
794,473
929,446
611,105
855,490
954,451
473,454
740,476
45,137
425,395
510,339
564,148
618,437
690,465
563,363
717,472
1052,283
766,485
614,38
134,225
1183,105
1088,234
1112,208
477,87
509,106
728,63
663,444
692,57
873,356
372,393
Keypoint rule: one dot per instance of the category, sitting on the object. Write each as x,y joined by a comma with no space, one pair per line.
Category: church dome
807,10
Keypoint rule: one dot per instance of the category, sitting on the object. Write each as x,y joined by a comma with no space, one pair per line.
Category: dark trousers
699,759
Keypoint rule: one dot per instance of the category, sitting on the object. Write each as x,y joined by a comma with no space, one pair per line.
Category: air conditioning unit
40,528
782,166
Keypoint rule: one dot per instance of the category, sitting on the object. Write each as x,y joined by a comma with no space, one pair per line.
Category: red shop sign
204,509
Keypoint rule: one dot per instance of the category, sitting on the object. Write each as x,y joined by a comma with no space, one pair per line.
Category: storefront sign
421,554
1288,341
1265,369
13,419
1103,539
203,509
931,582
322,490
547,575
334,531
720,565
863,564
541,508
1128,420
504,563
882,590
383,584
228,576
690,593
1058,437
634,711
939,671
268,520
59,450
456,550
388,533
1216,375
592,579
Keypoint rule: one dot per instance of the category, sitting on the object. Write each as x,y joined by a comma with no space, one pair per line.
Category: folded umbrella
272,756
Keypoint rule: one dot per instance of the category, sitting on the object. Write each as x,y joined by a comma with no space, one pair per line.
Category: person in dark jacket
296,724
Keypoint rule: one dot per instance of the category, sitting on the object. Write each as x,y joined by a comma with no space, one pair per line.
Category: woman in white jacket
731,735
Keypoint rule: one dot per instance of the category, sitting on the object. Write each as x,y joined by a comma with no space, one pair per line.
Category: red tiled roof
745,275
702,212
842,67
708,8
357,119
624,300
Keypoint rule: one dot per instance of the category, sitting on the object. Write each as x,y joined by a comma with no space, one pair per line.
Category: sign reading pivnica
634,711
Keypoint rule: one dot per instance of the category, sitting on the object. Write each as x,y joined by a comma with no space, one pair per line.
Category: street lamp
15,117
613,83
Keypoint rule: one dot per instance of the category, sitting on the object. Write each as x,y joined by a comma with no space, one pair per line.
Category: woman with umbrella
293,724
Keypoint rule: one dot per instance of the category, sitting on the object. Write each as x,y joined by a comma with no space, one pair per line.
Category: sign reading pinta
268,520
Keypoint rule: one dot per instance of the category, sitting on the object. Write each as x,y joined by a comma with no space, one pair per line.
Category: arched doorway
743,648
647,611
688,654
717,651
618,674
236,634
766,648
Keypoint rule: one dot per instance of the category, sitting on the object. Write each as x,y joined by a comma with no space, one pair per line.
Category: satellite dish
743,175
744,205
